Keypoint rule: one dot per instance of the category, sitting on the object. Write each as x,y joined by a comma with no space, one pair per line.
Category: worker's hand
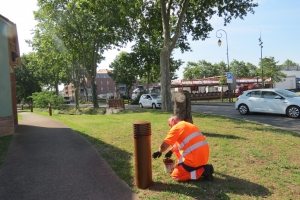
156,154
169,154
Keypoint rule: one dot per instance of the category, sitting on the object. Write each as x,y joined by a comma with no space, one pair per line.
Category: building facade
9,58
106,87
105,84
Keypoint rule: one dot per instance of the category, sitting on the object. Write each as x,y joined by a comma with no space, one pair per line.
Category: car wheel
243,109
153,106
141,105
293,111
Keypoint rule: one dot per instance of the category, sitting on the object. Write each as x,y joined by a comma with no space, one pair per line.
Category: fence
116,103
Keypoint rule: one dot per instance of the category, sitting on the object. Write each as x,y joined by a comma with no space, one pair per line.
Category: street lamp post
261,64
219,43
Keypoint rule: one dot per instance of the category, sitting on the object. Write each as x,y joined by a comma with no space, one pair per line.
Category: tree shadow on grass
216,189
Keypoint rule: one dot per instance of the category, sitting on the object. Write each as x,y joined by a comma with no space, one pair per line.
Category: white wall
287,83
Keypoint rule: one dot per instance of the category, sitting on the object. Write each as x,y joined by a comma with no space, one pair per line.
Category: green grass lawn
251,161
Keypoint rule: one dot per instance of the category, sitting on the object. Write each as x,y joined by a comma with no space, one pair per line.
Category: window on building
107,82
101,88
194,88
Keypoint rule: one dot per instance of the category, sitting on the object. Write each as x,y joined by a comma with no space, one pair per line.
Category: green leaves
242,69
42,99
27,80
272,69
124,70
203,69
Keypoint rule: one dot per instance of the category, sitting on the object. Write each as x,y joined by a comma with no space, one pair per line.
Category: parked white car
269,100
150,100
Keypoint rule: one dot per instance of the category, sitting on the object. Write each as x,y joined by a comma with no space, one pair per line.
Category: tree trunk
222,93
86,94
85,90
77,81
56,86
165,80
76,95
148,80
95,96
182,105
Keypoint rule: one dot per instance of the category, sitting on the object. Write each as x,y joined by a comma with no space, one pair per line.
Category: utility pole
261,64
219,43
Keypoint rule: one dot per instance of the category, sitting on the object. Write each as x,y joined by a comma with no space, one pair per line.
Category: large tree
148,45
26,80
242,69
272,70
88,28
289,64
185,17
51,59
124,71
201,69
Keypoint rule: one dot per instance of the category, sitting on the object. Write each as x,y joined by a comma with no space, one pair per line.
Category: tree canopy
201,69
26,80
88,28
184,17
242,69
272,70
124,71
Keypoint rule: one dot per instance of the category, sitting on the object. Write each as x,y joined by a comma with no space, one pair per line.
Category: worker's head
173,120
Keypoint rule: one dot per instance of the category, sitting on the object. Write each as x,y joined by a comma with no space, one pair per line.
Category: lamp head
219,43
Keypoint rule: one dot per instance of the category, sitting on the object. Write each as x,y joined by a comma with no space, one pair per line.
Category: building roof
5,19
103,71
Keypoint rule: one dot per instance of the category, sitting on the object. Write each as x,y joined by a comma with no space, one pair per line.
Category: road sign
229,77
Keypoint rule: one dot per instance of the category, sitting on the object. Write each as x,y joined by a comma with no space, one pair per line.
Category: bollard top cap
141,122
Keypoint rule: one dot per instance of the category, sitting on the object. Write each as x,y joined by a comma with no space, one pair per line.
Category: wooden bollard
50,109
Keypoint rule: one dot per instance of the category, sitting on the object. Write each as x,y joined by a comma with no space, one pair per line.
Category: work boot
208,171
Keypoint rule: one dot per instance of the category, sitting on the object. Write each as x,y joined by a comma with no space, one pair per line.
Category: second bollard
50,109
142,152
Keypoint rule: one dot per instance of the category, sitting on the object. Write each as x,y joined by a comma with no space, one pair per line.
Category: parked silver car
269,100
150,100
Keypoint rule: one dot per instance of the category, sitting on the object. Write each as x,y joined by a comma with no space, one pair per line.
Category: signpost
229,77
229,81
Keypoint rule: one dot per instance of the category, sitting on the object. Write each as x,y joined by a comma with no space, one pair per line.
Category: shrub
42,99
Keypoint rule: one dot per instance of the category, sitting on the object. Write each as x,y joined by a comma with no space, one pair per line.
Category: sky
277,22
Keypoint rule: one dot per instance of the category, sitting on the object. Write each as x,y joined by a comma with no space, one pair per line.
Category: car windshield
156,96
287,93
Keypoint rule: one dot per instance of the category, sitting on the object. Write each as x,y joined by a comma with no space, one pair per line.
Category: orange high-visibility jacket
190,142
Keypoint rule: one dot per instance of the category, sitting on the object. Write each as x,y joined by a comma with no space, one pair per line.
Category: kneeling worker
190,148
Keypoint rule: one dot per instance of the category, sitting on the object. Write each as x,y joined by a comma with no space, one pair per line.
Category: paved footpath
47,160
